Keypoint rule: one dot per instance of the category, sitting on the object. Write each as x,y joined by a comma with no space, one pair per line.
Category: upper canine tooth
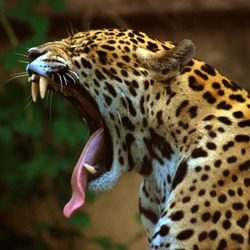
43,84
33,76
34,91
90,168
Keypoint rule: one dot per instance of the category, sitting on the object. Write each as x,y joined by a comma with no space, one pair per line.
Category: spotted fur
173,119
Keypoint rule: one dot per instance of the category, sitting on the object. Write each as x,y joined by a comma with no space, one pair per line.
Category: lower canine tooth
90,168
34,91
43,84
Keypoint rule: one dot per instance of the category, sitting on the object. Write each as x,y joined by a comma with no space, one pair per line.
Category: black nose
34,53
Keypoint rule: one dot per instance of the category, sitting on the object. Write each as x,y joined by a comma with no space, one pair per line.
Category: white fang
43,84
34,91
90,168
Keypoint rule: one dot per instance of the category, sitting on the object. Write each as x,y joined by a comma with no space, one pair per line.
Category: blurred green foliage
38,145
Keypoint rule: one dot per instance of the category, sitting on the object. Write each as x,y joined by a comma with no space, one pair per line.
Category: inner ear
168,62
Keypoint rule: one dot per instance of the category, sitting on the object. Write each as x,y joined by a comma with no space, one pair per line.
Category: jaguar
151,107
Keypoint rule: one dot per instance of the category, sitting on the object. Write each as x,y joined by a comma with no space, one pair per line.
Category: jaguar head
106,75
53,68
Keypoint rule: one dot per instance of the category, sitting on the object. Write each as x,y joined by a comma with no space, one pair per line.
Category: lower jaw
104,182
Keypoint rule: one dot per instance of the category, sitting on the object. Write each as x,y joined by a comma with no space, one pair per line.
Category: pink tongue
79,177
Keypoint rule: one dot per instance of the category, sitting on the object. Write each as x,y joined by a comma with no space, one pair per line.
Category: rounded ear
167,63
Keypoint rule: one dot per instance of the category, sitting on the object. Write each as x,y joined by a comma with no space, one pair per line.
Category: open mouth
95,157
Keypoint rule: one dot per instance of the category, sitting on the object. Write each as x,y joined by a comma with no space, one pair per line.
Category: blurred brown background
220,30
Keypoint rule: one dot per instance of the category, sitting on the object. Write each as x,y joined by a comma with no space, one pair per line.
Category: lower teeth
90,168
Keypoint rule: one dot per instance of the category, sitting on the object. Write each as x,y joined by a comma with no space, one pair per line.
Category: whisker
49,102
46,99
84,120
70,30
20,54
60,80
17,75
74,73
23,61
28,98
20,74
29,101
65,80
70,76
50,105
